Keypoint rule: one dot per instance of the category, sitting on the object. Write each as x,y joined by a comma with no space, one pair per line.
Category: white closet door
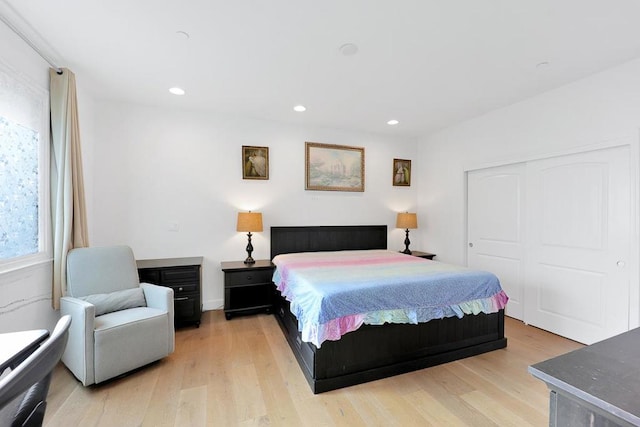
578,244
495,228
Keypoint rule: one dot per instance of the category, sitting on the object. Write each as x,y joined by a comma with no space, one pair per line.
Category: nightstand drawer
245,278
149,276
187,308
179,275
189,288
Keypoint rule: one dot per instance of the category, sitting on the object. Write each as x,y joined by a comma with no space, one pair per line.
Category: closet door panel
578,228
495,228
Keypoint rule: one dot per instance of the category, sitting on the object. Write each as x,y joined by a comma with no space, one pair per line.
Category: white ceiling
426,63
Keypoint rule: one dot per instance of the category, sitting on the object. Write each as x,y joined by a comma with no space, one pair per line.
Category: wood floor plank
221,400
242,373
454,404
494,409
387,405
279,406
192,410
247,393
524,407
367,408
164,400
434,412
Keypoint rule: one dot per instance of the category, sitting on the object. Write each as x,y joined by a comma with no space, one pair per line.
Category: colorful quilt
332,293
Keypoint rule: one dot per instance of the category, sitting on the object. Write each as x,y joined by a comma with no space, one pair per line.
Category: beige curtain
68,212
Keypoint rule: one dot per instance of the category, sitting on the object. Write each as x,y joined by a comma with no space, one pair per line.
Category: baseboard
213,304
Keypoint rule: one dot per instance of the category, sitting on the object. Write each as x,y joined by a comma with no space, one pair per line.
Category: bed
373,352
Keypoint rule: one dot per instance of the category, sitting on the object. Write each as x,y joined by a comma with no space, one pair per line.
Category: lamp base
249,259
406,243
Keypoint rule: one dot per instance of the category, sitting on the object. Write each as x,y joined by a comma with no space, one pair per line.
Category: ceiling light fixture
349,49
393,122
177,91
183,34
299,108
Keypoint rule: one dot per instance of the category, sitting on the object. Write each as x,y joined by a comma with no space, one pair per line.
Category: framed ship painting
334,167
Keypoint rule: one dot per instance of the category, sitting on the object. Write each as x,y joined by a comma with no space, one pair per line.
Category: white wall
600,110
156,167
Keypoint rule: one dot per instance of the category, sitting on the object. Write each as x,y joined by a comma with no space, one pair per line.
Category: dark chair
23,392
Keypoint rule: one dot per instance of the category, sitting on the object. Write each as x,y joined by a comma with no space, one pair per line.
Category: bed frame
374,352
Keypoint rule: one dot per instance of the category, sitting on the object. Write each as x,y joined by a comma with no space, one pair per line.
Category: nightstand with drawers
425,255
247,287
183,275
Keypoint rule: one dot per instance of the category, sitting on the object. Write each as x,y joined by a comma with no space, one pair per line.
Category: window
24,171
19,197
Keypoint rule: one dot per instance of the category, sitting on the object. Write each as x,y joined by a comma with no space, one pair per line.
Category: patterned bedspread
332,293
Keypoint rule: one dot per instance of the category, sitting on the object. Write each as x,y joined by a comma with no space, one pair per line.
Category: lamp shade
407,220
249,221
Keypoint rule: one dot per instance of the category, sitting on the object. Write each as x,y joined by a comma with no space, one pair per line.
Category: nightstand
425,255
184,276
247,287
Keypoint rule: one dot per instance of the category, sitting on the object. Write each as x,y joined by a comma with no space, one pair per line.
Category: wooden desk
17,346
595,385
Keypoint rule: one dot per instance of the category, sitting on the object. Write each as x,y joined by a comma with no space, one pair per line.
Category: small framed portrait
401,172
255,162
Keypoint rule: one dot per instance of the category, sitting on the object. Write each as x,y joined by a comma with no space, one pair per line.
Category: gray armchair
118,323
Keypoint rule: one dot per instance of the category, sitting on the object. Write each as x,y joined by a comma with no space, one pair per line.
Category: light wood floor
242,373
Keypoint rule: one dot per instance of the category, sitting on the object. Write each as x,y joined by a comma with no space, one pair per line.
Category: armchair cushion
132,332
116,301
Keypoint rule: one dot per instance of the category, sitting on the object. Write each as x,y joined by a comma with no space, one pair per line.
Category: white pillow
116,301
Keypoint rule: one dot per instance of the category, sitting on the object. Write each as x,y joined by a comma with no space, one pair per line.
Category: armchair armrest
161,297
79,353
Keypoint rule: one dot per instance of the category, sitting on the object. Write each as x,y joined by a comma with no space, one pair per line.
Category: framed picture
401,172
334,167
255,162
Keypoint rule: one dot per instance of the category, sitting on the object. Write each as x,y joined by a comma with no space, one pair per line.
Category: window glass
19,195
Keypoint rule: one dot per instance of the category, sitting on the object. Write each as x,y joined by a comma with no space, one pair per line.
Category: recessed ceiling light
176,91
183,34
299,108
393,122
349,49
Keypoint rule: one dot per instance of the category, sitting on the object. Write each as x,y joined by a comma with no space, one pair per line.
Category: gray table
596,385
17,346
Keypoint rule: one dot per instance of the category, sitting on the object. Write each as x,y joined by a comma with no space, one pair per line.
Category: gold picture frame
255,162
330,167
401,176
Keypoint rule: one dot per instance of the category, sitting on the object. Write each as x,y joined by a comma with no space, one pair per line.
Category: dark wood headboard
285,240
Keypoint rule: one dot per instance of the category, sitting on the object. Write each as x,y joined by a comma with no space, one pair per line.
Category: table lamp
407,220
249,221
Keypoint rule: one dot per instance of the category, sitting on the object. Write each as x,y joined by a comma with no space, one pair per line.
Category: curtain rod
30,43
